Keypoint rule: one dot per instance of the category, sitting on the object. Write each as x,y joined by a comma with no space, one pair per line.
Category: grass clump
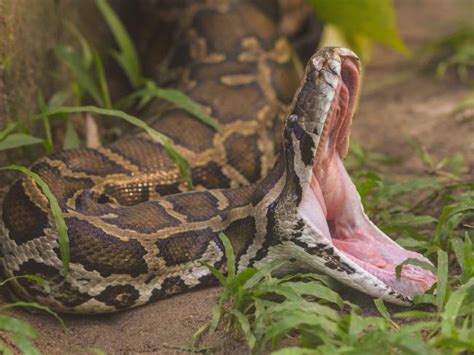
23,334
304,313
454,51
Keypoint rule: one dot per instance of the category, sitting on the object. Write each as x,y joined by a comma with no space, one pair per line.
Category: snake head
332,233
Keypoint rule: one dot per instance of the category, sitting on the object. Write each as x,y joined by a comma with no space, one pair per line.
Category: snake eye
293,125
292,120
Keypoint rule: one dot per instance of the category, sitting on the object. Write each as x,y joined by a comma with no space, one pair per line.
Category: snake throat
337,210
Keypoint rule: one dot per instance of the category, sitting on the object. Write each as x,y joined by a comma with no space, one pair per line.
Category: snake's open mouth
339,215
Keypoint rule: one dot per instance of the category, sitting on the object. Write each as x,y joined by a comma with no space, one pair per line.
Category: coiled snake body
272,185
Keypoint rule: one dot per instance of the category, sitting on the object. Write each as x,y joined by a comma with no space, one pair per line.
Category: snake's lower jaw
362,255
360,243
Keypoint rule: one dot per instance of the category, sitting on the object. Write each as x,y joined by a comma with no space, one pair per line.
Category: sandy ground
397,101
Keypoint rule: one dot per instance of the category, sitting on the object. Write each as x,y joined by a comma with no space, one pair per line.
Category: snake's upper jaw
339,235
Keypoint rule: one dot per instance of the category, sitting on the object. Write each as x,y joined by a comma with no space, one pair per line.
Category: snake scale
271,179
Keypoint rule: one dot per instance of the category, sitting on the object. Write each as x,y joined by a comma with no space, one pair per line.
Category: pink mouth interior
352,233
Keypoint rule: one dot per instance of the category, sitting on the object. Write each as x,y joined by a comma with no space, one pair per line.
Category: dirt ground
397,101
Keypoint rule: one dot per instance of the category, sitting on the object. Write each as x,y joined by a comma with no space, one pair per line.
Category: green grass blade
309,307
468,258
48,144
420,326
180,162
441,290
178,159
315,289
129,72
23,331
297,320
25,345
295,350
425,298
245,327
16,140
280,289
216,317
409,344
413,314
85,46
81,73
323,279
8,129
5,349
198,334
11,324
452,308
60,97
71,139
39,280
127,58
416,262
229,253
182,101
422,183
104,88
21,304
216,273
400,223
458,248
449,213
382,309
263,272
61,227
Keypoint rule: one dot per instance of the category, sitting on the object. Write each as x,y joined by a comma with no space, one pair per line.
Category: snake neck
271,207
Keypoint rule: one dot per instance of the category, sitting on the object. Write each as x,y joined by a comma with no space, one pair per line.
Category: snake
271,178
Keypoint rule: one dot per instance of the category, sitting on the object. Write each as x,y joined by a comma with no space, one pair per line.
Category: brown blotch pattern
146,217
119,296
285,80
182,248
104,253
64,292
245,17
62,187
24,220
89,161
170,286
148,155
197,207
241,233
243,154
215,72
200,137
238,197
230,103
210,176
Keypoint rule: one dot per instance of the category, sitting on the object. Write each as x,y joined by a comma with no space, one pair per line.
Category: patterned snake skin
136,235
